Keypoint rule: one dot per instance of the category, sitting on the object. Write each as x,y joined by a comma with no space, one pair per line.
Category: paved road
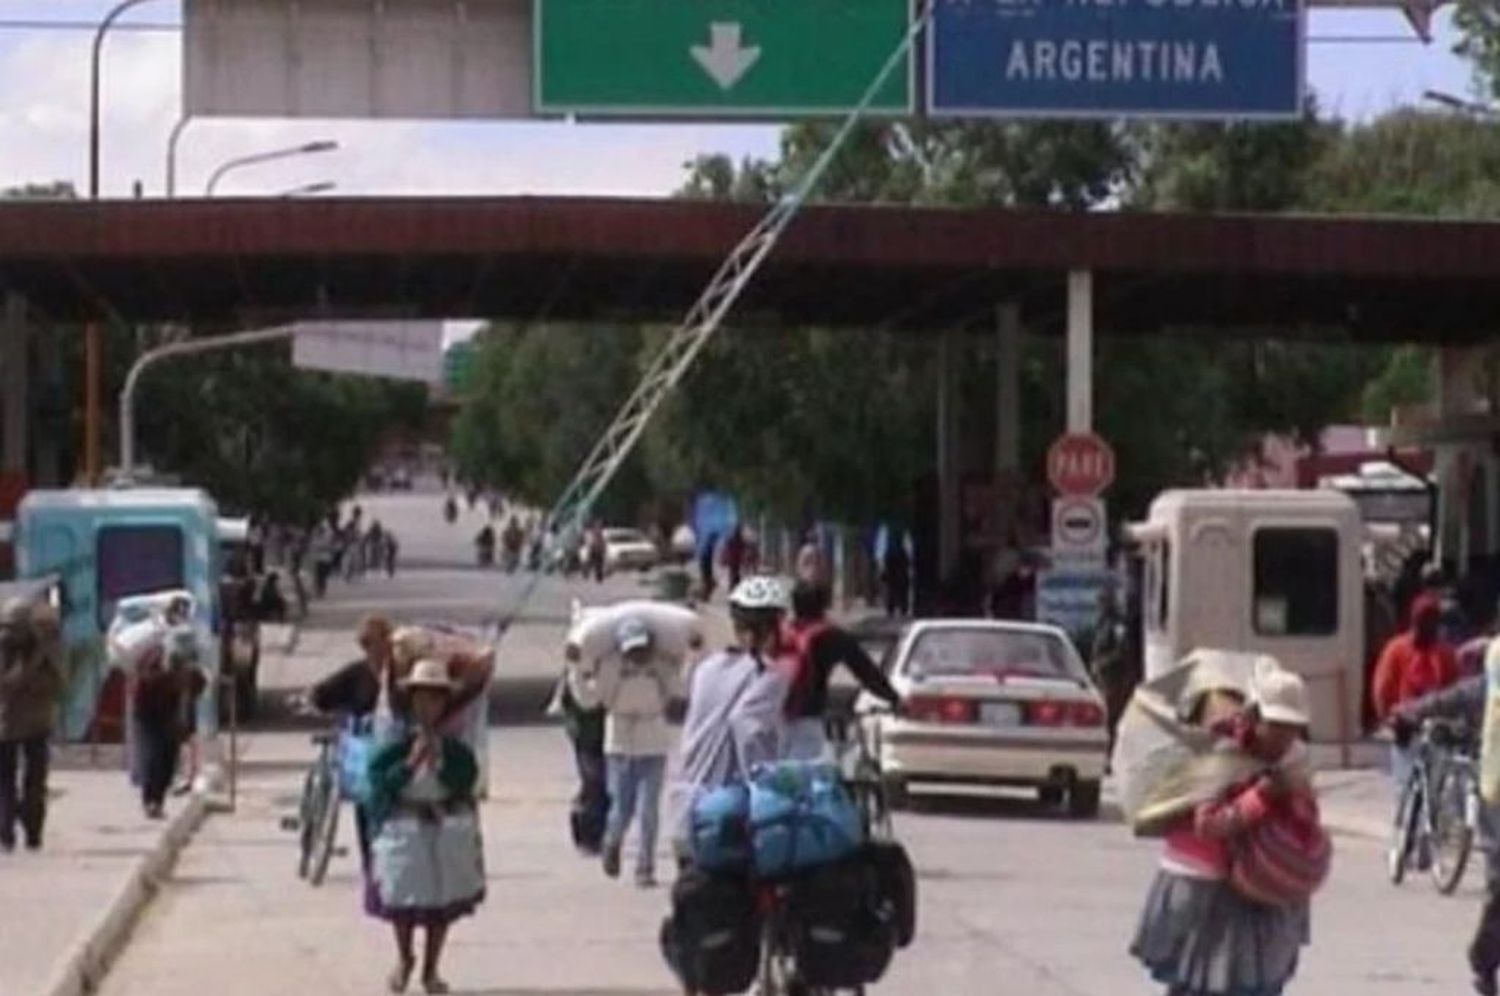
1013,901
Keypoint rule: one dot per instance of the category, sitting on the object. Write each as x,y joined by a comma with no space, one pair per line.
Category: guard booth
1274,572
106,545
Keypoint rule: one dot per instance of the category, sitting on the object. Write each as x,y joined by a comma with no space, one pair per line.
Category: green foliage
1406,380
265,438
542,395
1478,24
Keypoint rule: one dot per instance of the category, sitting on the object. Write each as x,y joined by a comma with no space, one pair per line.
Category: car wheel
1051,795
1083,800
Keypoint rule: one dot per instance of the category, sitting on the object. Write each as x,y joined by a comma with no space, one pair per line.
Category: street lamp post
103,29
309,189
306,149
93,345
177,131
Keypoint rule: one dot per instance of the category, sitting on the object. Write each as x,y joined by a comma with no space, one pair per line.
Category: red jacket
1406,672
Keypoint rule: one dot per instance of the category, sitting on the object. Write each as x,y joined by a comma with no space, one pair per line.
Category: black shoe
1484,976
33,843
612,861
7,844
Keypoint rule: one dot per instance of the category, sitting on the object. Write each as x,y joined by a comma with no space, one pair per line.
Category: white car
992,704
625,550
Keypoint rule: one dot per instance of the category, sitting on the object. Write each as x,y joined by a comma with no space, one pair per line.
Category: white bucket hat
429,673
1279,694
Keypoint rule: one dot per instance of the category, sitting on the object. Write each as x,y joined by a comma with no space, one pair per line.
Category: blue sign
1116,58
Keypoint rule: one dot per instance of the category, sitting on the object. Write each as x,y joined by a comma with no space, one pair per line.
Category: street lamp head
324,145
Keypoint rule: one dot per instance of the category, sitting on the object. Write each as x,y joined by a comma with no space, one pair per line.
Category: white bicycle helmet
759,593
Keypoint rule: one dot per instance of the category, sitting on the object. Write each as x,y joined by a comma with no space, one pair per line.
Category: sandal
400,976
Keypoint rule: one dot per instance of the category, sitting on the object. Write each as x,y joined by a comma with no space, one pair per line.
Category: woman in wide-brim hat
428,859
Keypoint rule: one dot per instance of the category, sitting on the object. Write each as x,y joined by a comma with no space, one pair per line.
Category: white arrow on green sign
717,58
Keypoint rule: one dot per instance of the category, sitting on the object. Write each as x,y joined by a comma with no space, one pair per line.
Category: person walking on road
30,686
706,557
895,576
428,859
352,693
815,648
166,695
598,554
1202,932
589,814
635,685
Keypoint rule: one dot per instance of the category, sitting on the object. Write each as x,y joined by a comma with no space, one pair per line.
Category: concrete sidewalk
69,906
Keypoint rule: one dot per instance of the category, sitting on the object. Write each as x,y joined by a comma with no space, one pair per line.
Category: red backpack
798,640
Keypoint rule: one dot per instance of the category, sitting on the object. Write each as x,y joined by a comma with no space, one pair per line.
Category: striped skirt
1200,938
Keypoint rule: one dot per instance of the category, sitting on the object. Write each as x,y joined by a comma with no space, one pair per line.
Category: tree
1478,24
543,394
291,460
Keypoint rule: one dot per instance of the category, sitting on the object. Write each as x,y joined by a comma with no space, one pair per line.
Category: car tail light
1050,713
1087,714
1046,713
941,709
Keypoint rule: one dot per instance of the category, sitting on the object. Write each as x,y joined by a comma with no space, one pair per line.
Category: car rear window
992,653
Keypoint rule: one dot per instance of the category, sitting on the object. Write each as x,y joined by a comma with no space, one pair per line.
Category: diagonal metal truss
675,358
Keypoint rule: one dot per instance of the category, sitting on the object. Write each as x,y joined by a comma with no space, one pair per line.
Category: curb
91,955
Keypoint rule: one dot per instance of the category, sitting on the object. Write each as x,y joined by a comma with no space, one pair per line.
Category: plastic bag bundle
674,628
1164,764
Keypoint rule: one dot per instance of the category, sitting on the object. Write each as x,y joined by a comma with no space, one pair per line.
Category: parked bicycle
1438,813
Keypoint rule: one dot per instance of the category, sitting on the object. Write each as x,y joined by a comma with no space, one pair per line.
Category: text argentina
1098,61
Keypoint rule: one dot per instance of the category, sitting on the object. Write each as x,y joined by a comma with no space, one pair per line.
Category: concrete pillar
15,399
1456,393
1007,416
1081,351
948,447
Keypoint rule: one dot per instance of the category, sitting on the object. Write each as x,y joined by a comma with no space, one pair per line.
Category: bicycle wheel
1452,833
1404,831
306,815
327,828
768,978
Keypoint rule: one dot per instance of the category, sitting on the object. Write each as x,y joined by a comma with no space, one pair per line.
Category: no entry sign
1080,464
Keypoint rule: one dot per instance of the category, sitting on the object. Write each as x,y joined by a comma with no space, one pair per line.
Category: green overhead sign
718,58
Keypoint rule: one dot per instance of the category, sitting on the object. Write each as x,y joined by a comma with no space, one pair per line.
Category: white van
1274,572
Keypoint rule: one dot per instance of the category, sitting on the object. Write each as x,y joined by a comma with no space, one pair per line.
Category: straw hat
429,673
1279,694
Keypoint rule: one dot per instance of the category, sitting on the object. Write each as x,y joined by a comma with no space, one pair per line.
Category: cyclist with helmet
735,716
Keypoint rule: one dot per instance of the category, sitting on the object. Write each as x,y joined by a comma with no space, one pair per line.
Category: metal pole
191,346
177,131
93,343
306,149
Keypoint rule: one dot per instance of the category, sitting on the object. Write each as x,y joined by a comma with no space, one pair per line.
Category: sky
44,119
